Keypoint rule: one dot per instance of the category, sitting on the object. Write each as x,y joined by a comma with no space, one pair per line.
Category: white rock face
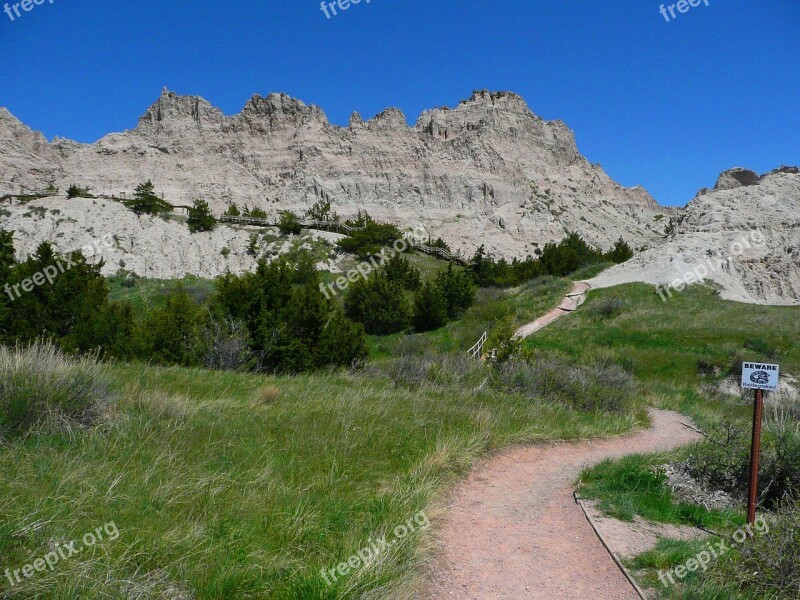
744,236
147,246
488,171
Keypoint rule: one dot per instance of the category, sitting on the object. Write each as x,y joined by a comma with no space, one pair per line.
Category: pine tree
146,202
200,217
430,309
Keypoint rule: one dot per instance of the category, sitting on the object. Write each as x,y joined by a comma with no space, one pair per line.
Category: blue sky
666,105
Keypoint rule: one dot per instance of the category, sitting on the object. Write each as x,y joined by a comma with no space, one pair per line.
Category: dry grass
266,396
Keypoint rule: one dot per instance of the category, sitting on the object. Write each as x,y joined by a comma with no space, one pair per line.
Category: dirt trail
570,303
513,530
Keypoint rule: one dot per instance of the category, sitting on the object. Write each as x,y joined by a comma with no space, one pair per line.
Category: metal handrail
477,349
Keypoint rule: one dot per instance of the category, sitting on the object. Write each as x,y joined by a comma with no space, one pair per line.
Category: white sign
758,376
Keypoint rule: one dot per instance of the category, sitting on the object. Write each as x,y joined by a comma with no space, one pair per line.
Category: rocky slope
744,235
488,171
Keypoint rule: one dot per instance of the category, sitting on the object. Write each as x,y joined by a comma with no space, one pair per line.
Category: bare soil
513,530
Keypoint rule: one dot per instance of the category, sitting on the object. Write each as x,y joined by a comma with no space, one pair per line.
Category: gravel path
513,530
570,303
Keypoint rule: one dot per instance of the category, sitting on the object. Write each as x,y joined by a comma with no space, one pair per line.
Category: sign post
757,377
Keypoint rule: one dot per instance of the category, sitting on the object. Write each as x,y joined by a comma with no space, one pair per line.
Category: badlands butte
488,171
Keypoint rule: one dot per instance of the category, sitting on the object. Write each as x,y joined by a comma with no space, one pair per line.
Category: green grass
629,487
216,496
146,294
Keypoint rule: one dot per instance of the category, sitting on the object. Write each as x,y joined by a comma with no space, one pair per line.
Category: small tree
233,211
399,269
321,211
430,309
200,217
458,290
74,191
620,253
289,224
343,343
379,304
146,202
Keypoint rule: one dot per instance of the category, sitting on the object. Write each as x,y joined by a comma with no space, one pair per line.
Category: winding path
513,530
569,304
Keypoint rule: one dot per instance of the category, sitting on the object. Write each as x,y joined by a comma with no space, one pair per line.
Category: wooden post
755,450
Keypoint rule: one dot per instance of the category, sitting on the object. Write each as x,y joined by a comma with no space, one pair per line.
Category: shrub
146,202
768,564
458,291
379,304
200,217
370,240
233,211
590,388
343,343
74,191
430,309
165,335
255,212
723,462
40,387
289,224
224,345
321,211
606,308
620,253
502,343
399,270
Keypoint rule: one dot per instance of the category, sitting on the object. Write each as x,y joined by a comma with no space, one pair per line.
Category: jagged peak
735,178
280,106
172,106
501,99
391,118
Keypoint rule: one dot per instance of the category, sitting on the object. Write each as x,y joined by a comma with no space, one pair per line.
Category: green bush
430,308
74,191
379,304
200,217
585,387
458,290
289,224
370,240
620,253
399,270
233,211
146,202
343,343
40,387
606,308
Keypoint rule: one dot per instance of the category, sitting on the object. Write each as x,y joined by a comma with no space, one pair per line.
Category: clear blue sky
667,105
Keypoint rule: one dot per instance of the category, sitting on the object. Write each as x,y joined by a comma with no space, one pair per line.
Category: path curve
569,304
513,529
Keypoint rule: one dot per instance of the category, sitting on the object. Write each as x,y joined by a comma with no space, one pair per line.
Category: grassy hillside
219,488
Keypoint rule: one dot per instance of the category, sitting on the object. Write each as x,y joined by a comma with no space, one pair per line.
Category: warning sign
758,376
